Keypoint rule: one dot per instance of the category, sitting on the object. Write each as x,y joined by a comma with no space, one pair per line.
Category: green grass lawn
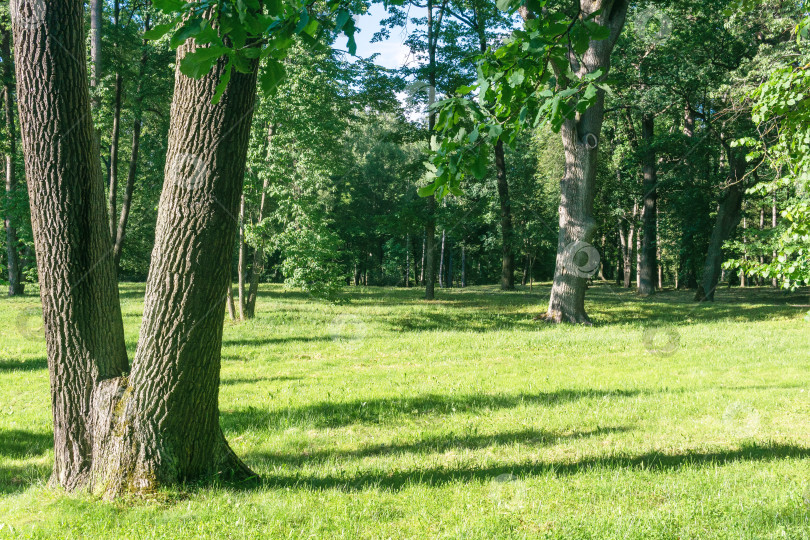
390,417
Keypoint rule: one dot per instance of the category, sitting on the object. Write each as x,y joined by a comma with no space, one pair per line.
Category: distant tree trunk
114,140
258,258
463,266
126,203
774,281
441,263
96,20
407,260
168,428
241,269
84,331
580,137
626,244
424,249
508,266
449,280
649,214
743,282
430,224
525,278
15,282
229,300
729,213
761,228
686,266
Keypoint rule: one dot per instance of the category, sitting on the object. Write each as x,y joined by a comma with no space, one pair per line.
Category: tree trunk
441,263
241,269
422,269
463,266
96,20
508,266
580,136
114,140
84,332
15,283
126,203
407,261
774,281
257,269
229,300
729,213
649,215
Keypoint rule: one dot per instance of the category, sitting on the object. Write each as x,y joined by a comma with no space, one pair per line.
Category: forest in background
337,154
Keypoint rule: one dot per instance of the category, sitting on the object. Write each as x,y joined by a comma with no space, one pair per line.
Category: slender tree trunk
126,203
430,224
15,283
729,213
84,332
580,137
407,260
231,305
508,266
463,266
449,280
258,258
96,20
774,281
114,142
743,281
648,251
241,269
422,269
441,263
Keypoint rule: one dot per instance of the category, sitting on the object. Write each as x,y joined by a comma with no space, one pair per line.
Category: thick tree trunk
729,213
649,215
580,136
84,331
15,283
167,421
508,263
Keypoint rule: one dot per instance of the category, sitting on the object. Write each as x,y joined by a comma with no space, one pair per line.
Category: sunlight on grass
387,416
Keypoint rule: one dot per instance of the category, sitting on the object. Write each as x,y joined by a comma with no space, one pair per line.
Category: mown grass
390,417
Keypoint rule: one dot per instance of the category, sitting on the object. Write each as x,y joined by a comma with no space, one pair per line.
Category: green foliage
241,31
517,88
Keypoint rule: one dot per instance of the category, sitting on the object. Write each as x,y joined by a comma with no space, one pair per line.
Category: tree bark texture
84,331
580,136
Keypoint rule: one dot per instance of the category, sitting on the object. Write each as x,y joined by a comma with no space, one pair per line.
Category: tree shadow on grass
438,476
262,341
377,411
256,380
435,443
34,364
16,443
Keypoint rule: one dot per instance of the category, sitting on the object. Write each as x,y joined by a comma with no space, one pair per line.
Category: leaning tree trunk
580,136
729,214
508,263
649,216
84,331
15,284
167,421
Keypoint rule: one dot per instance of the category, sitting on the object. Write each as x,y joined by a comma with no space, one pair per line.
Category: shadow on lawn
652,461
437,443
373,411
23,365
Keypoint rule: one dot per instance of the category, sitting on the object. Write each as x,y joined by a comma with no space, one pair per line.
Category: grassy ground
388,417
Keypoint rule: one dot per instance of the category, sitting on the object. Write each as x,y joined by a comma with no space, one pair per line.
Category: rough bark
84,331
578,185
15,282
649,216
167,418
729,213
